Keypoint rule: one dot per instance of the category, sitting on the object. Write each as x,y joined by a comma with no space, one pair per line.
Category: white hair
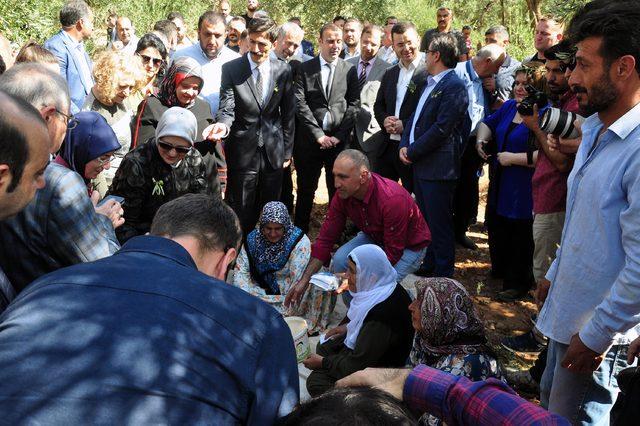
290,28
491,51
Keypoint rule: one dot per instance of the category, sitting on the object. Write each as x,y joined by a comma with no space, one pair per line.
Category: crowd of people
152,240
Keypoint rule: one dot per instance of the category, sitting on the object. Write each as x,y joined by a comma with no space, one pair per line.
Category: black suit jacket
241,112
343,102
385,105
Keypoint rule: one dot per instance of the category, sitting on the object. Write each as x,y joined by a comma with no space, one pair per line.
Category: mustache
579,89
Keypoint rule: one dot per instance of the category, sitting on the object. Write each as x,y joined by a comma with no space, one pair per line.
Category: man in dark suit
396,100
370,68
432,141
257,112
76,19
328,98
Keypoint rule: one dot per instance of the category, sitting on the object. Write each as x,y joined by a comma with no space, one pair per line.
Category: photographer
503,140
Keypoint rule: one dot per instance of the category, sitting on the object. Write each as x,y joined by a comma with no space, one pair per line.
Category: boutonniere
158,187
435,94
411,87
275,88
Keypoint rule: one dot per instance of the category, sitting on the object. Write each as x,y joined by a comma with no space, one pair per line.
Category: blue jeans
408,263
584,399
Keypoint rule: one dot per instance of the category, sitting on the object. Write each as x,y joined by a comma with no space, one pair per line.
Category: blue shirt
477,99
431,83
143,337
595,278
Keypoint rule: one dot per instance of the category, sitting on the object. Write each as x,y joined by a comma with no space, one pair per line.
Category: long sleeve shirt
595,278
387,214
458,400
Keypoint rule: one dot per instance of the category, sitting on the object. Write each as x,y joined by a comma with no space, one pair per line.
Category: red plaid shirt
457,400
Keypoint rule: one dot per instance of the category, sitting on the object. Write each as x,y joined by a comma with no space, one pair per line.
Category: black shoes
466,242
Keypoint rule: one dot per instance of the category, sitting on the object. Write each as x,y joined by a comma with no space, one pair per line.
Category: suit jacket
385,104
242,113
343,102
367,129
439,130
79,86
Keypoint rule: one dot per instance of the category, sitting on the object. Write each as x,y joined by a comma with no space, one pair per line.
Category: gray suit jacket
367,128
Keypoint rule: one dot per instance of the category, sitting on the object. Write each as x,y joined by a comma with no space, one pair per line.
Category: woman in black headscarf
180,87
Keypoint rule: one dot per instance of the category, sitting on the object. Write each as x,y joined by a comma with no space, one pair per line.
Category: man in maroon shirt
383,211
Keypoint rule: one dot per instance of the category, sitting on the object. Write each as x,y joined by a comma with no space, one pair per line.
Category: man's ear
224,262
48,113
5,177
626,66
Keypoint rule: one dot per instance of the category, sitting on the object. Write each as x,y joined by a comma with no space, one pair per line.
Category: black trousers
286,194
388,165
248,190
511,250
320,381
466,198
309,162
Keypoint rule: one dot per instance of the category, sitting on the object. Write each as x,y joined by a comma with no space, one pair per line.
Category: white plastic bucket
299,329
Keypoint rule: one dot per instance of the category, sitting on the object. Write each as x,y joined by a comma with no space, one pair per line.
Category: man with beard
444,16
252,7
592,311
235,27
257,112
351,37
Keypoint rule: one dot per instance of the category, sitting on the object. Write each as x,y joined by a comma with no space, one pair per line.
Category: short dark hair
72,12
263,25
211,17
204,217
32,51
565,52
14,147
616,22
339,18
466,27
447,46
166,27
351,406
403,27
152,40
329,26
386,21
371,28
175,15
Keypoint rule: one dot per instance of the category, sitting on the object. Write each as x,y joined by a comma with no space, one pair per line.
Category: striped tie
363,73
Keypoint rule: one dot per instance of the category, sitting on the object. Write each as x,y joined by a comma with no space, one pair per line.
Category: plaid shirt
58,228
457,400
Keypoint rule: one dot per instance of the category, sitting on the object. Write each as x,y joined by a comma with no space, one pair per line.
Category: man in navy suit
76,19
431,143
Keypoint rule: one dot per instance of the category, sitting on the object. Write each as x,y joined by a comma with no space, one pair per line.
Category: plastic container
299,329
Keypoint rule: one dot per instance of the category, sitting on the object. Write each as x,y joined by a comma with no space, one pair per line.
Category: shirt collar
323,62
413,65
369,194
473,74
159,246
626,124
74,42
436,78
371,61
263,66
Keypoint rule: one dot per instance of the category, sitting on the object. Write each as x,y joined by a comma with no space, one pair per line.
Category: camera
534,97
560,123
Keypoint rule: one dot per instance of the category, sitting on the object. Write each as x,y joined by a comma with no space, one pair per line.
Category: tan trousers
547,230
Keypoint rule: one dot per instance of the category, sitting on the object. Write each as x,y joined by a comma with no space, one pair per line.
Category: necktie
327,88
362,78
260,101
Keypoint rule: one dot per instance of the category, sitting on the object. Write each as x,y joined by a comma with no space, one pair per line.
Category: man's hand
398,127
389,124
111,209
634,350
579,358
215,132
324,141
313,362
338,331
390,380
403,156
334,141
531,121
489,84
541,292
294,296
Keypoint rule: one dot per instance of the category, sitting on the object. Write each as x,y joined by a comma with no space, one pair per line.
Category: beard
601,96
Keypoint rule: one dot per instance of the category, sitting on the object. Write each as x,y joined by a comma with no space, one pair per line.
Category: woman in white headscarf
156,172
378,332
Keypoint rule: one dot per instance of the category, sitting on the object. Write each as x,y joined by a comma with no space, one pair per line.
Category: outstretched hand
390,380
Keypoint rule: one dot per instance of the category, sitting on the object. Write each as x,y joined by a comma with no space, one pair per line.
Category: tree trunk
535,10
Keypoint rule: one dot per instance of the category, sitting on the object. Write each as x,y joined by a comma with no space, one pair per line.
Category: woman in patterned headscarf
273,259
180,87
449,335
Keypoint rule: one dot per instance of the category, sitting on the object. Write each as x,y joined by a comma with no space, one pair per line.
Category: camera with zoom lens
560,123
534,97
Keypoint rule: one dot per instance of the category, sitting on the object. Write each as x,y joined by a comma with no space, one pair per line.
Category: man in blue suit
432,143
76,19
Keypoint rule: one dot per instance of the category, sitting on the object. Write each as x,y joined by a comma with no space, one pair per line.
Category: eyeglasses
102,160
156,61
168,147
70,120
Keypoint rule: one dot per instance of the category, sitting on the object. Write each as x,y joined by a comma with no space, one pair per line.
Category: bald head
124,29
24,154
489,59
351,174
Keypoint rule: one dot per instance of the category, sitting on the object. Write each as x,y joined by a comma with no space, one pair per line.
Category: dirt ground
472,270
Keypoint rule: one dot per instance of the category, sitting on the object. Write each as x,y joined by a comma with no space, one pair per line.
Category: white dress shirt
404,77
324,74
432,81
265,70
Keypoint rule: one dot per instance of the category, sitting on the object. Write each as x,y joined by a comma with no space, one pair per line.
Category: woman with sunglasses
159,171
153,54
180,87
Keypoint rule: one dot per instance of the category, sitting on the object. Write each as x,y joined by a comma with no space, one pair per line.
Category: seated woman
181,86
159,171
273,259
379,331
449,335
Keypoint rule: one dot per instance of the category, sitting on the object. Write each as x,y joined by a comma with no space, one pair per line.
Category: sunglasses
156,61
168,147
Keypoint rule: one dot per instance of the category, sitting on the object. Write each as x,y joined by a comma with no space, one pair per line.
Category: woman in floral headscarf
180,87
273,259
449,335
